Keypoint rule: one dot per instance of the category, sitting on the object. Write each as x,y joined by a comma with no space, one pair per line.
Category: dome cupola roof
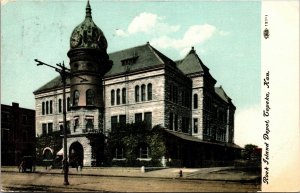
88,34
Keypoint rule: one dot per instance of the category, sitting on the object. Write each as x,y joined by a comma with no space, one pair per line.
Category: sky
225,34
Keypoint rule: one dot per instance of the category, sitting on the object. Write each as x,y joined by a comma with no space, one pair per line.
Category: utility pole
64,73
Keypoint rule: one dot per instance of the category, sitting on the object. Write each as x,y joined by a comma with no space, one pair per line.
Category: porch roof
188,137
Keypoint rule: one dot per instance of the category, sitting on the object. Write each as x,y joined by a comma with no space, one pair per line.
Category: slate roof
192,64
146,57
195,139
221,93
53,84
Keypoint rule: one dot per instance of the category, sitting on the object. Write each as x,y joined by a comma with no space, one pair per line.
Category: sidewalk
216,173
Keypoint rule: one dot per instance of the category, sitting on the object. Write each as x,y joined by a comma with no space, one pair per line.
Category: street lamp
64,73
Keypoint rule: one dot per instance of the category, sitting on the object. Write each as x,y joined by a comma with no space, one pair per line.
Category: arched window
59,105
118,96
90,95
68,103
124,96
76,98
195,101
47,107
137,93
143,92
112,97
43,108
51,107
149,91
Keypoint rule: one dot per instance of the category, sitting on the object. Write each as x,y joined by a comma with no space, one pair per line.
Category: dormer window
129,61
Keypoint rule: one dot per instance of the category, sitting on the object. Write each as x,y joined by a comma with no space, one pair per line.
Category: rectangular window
44,128
176,94
5,134
138,118
68,104
59,106
143,92
144,152
195,125
149,87
76,124
47,107
89,125
185,124
148,120
50,127
118,96
171,92
137,93
124,96
176,122
43,108
112,97
51,107
182,98
69,127
171,121
122,120
114,122
119,153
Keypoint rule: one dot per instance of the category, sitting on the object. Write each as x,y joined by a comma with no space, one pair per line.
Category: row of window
142,152
47,128
214,133
89,95
173,123
47,107
174,96
140,93
118,97
138,119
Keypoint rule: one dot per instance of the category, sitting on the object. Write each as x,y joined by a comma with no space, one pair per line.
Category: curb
255,180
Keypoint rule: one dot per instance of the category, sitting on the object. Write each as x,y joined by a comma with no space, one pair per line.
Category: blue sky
225,34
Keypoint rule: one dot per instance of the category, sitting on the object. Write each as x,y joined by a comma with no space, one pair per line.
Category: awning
195,139
60,152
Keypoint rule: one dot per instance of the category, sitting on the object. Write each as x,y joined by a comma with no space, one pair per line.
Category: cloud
121,33
147,23
161,33
194,35
248,126
3,2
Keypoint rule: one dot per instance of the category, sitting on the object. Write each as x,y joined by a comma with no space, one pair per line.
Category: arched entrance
76,154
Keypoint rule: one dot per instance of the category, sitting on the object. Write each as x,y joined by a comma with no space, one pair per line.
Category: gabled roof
53,84
222,94
145,56
192,64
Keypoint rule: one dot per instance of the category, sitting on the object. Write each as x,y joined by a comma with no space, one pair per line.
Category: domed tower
89,61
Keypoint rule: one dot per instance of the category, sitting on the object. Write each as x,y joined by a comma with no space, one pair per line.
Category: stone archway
76,154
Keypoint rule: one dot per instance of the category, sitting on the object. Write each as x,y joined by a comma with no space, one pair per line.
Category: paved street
126,179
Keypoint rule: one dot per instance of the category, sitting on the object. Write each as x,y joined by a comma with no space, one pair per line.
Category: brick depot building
132,86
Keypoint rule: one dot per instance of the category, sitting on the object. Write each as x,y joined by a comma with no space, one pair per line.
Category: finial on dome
88,10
